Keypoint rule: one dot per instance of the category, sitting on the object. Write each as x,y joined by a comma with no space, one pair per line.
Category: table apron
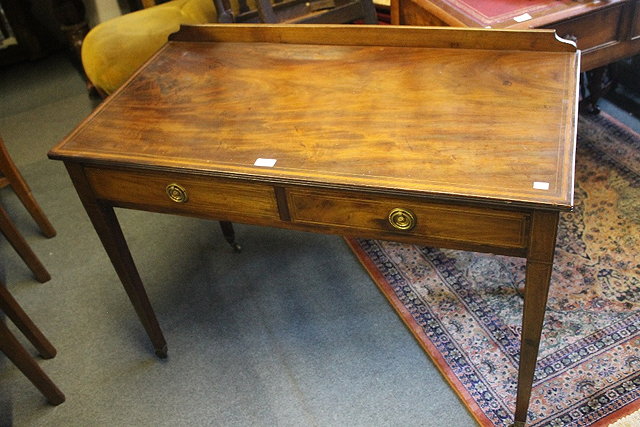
444,224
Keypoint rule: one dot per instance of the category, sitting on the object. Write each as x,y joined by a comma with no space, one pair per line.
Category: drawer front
168,192
478,226
592,30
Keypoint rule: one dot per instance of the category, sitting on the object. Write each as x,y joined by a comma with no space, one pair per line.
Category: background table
605,31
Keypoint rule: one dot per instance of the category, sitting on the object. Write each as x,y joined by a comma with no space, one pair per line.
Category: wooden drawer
592,30
203,196
465,224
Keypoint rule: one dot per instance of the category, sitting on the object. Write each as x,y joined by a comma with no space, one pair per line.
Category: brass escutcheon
402,219
177,193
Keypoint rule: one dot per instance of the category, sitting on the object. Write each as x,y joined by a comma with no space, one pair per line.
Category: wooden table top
469,114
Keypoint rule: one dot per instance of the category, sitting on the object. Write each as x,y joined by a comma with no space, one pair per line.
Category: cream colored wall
102,10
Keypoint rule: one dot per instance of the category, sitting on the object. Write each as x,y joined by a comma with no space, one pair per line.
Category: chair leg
10,346
19,318
230,235
20,245
22,190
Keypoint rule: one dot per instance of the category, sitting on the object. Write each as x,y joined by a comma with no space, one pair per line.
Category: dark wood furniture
298,11
12,348
455,138
31,38
71,16
9,345
605,31
22,37
10,176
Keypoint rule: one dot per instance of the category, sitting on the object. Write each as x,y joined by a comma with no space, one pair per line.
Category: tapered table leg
106,225
542,244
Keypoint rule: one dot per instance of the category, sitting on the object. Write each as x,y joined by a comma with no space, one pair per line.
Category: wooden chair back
296,11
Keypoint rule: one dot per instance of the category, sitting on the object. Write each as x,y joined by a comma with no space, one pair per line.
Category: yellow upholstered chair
114,49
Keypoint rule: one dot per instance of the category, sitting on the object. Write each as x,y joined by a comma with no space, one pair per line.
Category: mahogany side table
454,138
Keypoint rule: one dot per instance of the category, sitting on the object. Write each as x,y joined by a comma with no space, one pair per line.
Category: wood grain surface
605,31
486,121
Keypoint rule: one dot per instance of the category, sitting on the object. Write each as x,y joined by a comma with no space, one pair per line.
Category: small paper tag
522,18
267,163
541,185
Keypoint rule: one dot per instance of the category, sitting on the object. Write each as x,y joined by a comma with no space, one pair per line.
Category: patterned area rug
465,308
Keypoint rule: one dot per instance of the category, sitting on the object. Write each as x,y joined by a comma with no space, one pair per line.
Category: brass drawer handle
177,193
402,219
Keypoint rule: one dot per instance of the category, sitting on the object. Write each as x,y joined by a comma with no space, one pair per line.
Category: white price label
267,163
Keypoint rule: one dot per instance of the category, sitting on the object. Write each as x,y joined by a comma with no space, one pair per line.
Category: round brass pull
402,219
177,193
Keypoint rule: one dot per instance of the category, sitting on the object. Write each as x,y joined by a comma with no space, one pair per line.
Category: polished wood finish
463,154
12,348
10,176
542,243
438,222
212,196
108,228
605,31
472,137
